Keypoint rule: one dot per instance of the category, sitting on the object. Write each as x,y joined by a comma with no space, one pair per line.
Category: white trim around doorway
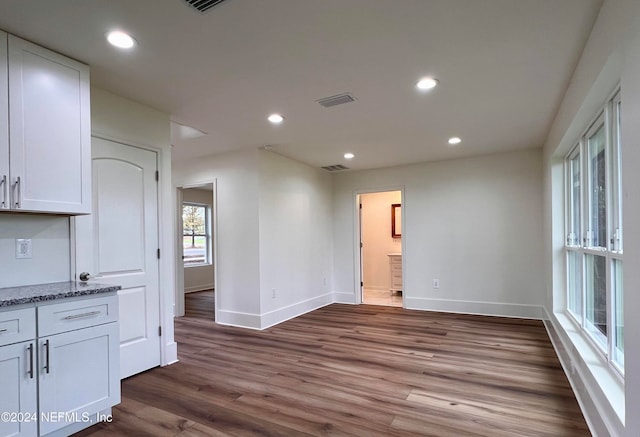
356,297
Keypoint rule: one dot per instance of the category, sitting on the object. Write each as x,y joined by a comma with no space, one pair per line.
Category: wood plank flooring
200,304
354,370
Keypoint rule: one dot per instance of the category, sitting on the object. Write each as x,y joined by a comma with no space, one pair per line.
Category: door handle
3,182
46,359
30,372
85,276
83,315
18,189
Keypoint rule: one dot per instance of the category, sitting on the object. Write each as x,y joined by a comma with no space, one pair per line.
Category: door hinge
159,331
157,175
361,284
158,253
361,245
361,206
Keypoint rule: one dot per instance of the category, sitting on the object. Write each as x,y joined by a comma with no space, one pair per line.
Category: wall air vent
336,167
339,99
203,5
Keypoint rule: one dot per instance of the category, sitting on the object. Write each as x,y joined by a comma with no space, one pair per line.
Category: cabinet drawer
67,316
396,280
17,325
396,268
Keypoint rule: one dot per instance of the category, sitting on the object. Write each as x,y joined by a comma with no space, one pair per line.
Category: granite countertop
45,292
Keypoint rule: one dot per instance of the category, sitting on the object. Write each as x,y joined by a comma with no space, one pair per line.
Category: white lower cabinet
68,376
395,267
19,401
78,376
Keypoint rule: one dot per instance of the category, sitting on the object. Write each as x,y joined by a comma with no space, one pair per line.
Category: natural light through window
196,237
593,223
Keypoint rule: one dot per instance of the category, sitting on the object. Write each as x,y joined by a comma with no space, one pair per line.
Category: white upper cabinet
49,148
4,124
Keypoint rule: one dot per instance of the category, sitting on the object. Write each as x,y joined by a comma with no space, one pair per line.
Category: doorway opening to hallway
196,244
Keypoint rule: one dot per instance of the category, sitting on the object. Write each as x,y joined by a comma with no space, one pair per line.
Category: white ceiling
503,67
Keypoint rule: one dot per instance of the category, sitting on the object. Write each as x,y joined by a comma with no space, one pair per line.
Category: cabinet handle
30,360
79,316
3,182
3,330
46,359
19,189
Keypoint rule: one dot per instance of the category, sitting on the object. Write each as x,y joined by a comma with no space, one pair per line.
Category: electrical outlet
23,248
273,293
436,283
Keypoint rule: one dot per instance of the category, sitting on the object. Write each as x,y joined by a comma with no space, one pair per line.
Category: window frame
598,123
207,226
583,246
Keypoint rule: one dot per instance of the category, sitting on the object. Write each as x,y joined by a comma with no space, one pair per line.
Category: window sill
609,381
187,266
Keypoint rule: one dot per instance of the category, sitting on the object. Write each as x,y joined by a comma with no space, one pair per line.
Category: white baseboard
470,307
289,312
195,288
241,320
344,298
263,321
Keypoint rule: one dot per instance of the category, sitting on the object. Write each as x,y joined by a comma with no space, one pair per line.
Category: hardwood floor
355,370
200,304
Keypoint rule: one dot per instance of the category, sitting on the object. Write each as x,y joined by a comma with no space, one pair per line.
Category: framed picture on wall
396,220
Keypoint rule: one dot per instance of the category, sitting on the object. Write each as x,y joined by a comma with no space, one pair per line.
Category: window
593,223
597,199
196,237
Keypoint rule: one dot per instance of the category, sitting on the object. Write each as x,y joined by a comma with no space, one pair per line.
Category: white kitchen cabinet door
18,401
76,375
4,124
49,131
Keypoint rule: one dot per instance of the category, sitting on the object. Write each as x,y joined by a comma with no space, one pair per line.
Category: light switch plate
23,248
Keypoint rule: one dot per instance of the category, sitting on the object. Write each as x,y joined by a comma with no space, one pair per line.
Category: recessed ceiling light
275,118
120,39
349,155
454,140
427,83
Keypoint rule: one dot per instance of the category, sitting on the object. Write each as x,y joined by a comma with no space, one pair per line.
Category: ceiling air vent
339,99
203,5
336,167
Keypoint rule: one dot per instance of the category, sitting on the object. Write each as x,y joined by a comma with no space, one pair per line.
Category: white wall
376,238
631,218
475,224
611,57
273,231
295,238
198,278
50,260
120,119
236,176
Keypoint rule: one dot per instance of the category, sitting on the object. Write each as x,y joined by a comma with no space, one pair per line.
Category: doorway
196,241
381,248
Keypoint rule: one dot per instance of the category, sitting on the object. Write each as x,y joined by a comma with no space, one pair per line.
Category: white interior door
118,244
